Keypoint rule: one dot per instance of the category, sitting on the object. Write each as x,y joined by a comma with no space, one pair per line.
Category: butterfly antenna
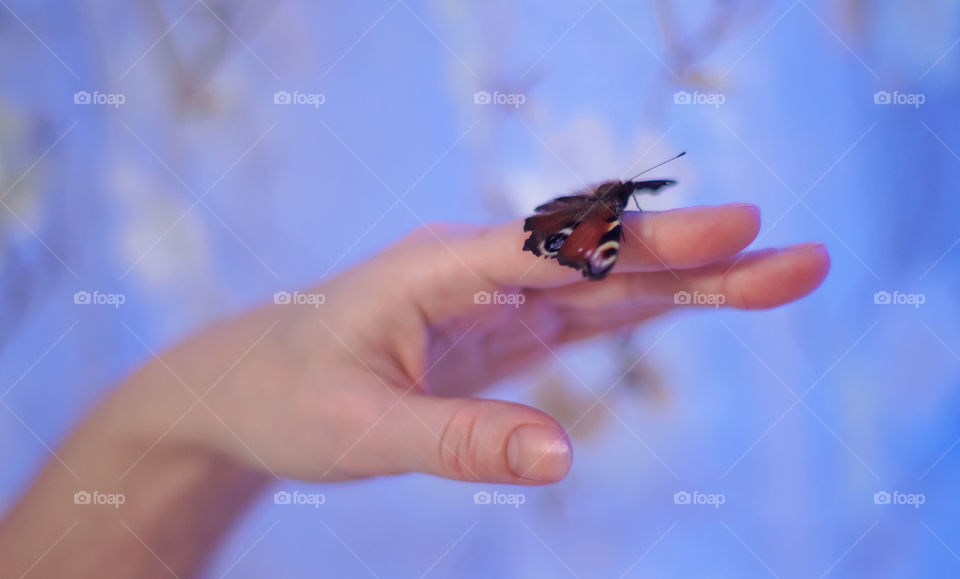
658,165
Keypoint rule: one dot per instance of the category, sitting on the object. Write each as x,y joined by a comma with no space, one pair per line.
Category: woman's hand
370,382
373,380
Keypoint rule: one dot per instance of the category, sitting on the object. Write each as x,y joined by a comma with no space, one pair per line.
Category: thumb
486,440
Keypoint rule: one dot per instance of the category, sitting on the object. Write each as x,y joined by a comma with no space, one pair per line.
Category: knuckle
736,295
459,443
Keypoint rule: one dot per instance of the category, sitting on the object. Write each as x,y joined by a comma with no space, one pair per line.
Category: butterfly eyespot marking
604,255
554,242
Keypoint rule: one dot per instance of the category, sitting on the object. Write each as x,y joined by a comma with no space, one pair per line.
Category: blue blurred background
205,191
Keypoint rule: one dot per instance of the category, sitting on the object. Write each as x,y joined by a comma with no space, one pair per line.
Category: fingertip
813,264
491,441
751,215
782,276
814,249
737,223
690,237
539,453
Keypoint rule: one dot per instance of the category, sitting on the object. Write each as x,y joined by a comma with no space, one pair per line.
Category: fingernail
805,247
539,453
749,206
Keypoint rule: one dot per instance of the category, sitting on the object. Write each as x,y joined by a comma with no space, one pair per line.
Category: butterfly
584,231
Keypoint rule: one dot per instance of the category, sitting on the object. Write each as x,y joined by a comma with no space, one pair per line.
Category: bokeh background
204,193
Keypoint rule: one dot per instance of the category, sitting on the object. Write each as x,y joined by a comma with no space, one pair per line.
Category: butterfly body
585,231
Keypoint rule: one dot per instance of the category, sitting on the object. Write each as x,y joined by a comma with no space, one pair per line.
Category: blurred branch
687,53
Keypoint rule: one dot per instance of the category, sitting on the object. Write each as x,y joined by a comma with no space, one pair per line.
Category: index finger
492,257
653,241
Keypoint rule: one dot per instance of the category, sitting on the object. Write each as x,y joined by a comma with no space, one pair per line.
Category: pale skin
375,381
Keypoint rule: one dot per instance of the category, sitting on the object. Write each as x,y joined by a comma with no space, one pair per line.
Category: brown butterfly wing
652,186
594,245
565,228
585,231
553,223
582,202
